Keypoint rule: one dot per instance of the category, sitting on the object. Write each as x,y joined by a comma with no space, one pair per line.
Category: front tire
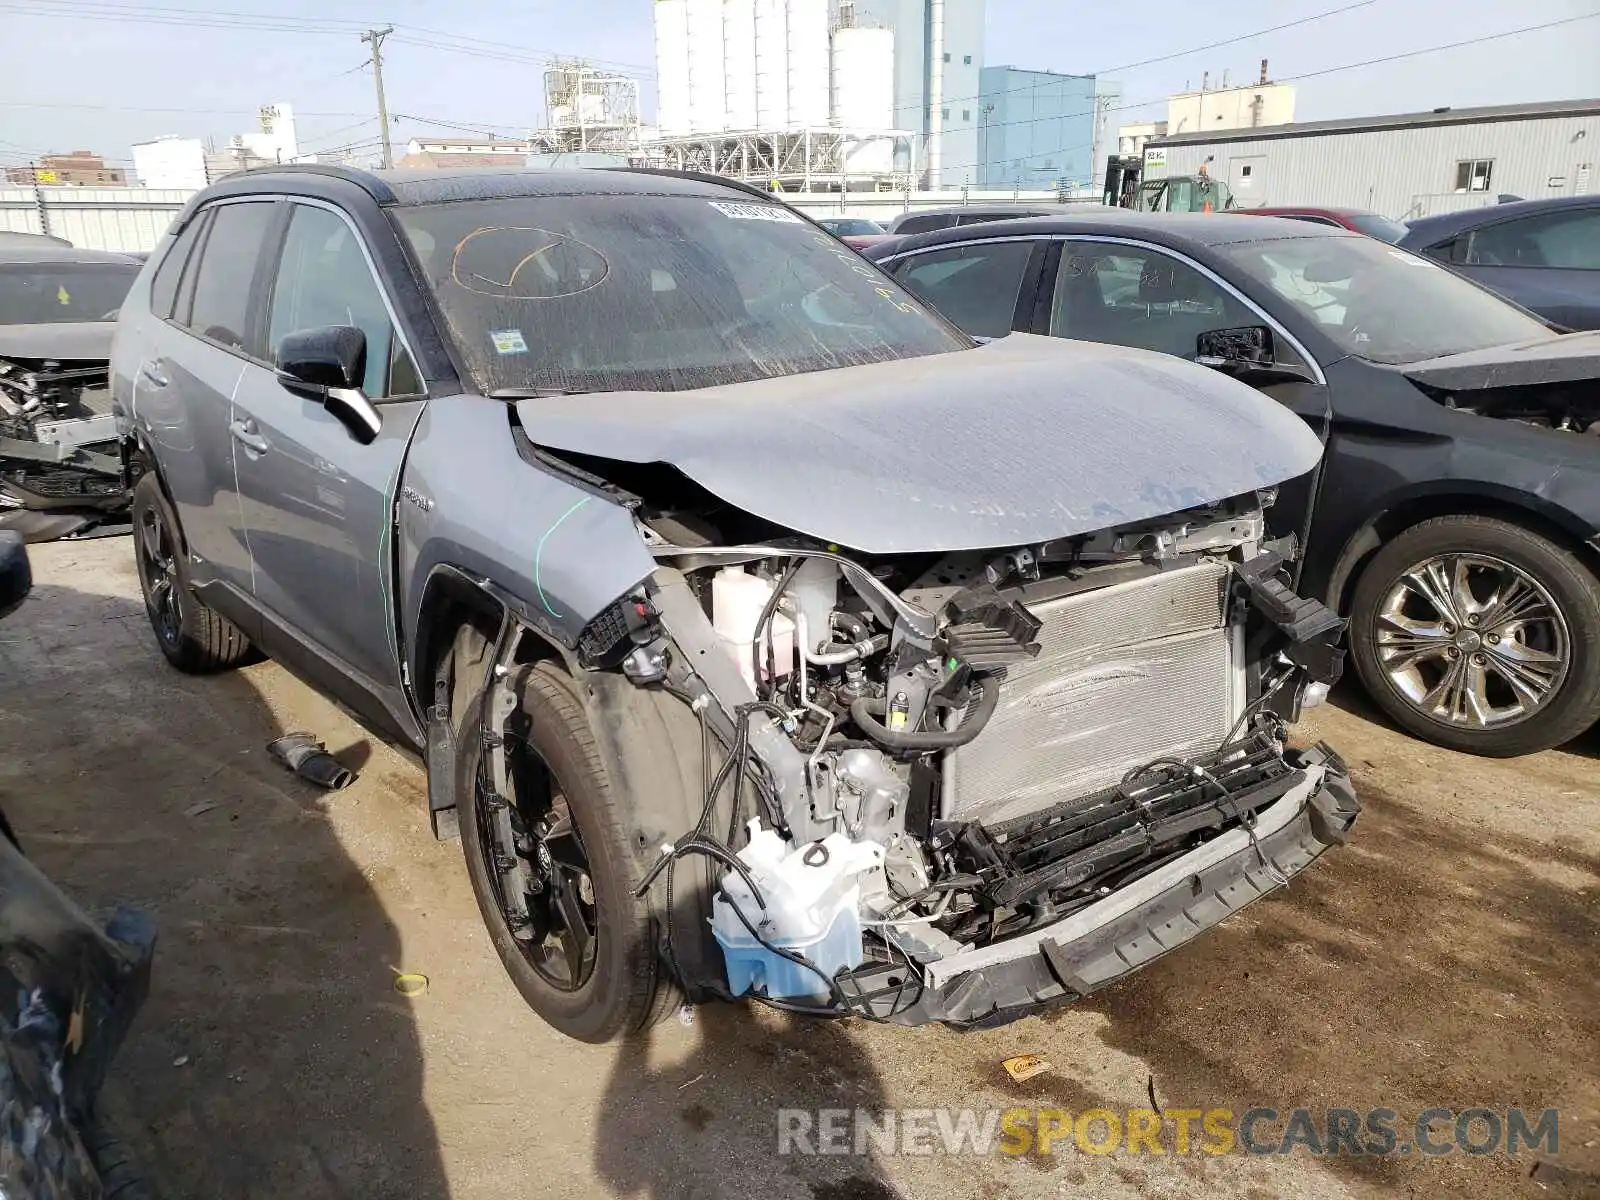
597,983
1478,634
193,638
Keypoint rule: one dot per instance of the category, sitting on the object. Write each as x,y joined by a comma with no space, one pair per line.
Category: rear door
184,385
1549,263
985,287
1130,293
318,505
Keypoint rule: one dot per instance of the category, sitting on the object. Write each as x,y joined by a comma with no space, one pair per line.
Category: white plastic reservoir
812,895
737,599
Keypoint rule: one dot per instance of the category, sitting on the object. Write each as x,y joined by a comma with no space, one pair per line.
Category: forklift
1125,187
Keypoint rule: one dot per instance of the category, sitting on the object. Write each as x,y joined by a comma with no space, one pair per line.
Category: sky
103,74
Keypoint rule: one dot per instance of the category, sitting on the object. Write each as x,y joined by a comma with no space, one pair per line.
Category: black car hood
65,341
1560,358
1018,441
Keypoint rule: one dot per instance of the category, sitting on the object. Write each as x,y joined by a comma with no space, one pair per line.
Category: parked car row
1453,514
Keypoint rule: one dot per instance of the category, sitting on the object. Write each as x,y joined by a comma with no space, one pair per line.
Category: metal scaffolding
811,159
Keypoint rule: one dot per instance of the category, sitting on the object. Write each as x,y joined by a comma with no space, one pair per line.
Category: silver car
762,634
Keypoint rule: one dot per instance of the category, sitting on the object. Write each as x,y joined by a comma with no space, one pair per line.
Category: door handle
244,432
152,375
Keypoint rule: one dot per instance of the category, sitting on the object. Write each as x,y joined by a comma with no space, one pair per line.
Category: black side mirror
327,366
1235,349
16,578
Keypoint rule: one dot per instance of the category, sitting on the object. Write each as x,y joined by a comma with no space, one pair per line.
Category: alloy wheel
539,870
159,568
1472,640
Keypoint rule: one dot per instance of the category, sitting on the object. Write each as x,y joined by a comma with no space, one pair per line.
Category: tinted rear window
222,290
50,292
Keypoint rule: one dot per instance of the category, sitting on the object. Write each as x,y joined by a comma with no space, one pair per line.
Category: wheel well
450,602
1387,525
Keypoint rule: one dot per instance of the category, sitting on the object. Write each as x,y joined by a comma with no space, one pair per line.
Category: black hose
865,712
757,643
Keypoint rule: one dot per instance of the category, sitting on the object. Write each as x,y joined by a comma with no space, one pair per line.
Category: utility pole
376,36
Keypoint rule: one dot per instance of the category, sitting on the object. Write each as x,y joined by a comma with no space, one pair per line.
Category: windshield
1381,228
1381,303
50,292
656,293
850,227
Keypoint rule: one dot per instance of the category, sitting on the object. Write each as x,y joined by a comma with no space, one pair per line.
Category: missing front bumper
992,985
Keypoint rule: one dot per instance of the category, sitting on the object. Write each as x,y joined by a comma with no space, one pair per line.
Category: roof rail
365,180
699,177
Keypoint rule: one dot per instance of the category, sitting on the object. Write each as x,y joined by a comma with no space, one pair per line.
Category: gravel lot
1446,957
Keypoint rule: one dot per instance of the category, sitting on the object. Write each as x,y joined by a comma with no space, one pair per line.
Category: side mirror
1235,349
16,578
327,366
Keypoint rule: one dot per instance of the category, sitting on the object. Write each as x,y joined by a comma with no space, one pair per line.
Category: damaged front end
961,786
60,474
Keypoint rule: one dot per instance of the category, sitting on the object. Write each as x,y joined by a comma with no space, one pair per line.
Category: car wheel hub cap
1471,640
160,577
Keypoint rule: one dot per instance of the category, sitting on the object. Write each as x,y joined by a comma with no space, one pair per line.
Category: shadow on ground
294,1070
1414,943
704,1126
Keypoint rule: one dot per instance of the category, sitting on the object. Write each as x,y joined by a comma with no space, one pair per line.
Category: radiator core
1125,674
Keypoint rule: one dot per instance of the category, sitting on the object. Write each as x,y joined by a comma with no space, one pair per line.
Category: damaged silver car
762,635
59,470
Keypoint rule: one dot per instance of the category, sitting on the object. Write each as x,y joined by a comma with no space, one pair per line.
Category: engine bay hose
865,712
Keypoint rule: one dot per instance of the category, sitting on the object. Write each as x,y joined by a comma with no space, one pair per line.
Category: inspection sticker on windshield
754,212
508,341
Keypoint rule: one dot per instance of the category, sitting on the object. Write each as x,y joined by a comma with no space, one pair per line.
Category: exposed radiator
1126,674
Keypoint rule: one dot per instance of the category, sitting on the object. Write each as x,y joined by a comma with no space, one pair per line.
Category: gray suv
762,634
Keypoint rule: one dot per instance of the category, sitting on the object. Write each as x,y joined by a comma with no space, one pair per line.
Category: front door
318,506
1131,294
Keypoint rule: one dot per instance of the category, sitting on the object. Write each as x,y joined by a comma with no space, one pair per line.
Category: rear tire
622,989
193,638
1562,626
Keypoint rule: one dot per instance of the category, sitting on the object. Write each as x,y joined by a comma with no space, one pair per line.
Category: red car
1356,219
854,232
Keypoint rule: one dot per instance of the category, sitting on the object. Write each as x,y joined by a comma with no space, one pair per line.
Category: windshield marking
507,287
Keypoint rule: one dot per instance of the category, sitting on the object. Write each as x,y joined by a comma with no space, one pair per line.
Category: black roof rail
701,177
365,180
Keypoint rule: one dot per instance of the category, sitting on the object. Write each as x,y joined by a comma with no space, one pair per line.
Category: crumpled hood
74,341
1018,441
1560,358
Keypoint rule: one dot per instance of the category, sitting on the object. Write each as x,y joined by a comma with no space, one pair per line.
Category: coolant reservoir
812,896
737,598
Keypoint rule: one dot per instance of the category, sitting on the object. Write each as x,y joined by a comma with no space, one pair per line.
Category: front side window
226,274
976,286
1568,240
323,279
48,293
1131,296
1382,303
659,293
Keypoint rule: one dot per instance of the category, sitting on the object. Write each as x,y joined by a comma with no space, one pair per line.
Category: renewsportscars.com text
1376,1132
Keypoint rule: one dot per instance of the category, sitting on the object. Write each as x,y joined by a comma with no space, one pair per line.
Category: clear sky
104,66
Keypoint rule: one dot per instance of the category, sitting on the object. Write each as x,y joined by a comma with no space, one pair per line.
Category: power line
1243,37
1355,66
208,112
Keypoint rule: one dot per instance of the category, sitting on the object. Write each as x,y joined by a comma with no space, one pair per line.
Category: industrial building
1402,166
1036,129
819,94
80,168
180,162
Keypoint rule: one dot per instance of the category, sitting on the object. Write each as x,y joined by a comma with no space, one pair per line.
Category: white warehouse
1402,166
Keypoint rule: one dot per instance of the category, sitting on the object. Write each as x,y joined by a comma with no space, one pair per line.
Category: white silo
739,62
772,64
863,78
672,66
708,83
808,62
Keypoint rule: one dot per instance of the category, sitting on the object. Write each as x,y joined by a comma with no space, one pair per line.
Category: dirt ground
1446,957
